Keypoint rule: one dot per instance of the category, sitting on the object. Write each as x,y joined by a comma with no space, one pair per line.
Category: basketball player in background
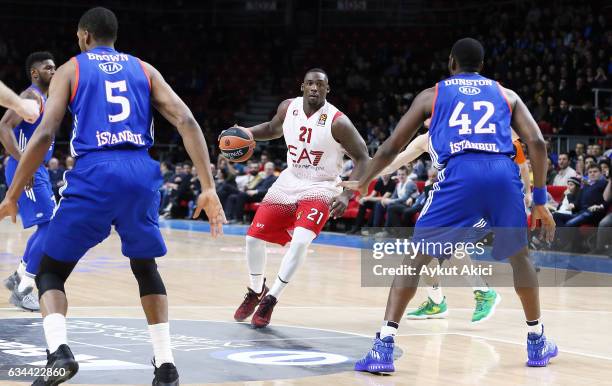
27,109
470,142
305,195
36,204
114,182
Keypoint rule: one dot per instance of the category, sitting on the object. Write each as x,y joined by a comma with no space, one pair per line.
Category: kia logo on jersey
110,67
469,90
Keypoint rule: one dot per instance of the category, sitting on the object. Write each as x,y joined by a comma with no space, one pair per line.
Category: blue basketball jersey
469,114
110,103
24,131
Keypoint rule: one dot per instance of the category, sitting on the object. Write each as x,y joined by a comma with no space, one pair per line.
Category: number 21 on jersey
466,123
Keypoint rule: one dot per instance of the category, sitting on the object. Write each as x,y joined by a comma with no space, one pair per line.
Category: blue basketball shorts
117,188
36,204
477,193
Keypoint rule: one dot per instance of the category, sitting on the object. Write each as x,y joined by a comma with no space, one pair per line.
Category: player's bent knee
148,278
52,274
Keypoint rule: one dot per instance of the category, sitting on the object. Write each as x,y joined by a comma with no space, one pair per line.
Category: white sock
160,338
435,294
388,329
26,281
536,328
256,260
55,331
483,289
294,257
21,269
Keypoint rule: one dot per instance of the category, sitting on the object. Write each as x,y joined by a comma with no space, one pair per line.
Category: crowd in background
552,55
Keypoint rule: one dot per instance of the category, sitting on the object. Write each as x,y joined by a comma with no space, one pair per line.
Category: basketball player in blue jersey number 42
36,204
114,182
471,144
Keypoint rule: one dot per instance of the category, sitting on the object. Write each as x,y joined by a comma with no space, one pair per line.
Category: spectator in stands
250,178
597,151
235,202
564,121
604,122
166,171
570,196
56,176
384,188
69,162
565,171
225,186
404,189
604,165
580,166
551,173
408,215
604,230
578,150
581,94
590,205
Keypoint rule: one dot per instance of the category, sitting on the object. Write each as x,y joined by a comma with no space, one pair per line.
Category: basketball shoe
262,316
250,302
165,375
12,281
540,350
61,365
429,310
380,358
26,300
485,305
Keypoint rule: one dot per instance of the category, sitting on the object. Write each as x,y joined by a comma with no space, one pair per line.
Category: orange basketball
236,144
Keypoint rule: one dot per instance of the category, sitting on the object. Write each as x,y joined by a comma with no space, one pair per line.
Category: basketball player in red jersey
306,194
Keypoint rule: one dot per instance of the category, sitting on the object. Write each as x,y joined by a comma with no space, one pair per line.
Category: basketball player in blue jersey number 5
471,144
36,204
114,182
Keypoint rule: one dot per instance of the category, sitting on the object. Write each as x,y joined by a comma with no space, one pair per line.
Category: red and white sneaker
251,300
262,316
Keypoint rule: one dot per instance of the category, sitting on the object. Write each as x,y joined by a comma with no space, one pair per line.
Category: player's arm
9,121
419,111
530,134
38,145
26,108
170,105
345,133
274,128
413,151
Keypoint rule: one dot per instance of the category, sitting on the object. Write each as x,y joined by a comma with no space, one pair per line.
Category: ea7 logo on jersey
469,90
322,120
313,157
110,67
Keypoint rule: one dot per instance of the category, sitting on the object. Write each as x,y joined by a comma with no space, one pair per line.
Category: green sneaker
429,310
485,305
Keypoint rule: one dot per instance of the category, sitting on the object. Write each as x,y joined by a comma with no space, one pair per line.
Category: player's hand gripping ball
236,144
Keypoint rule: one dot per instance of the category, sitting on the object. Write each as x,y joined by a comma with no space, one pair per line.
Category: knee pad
148,278
52,274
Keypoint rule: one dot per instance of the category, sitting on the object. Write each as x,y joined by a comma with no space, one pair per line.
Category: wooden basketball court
206,280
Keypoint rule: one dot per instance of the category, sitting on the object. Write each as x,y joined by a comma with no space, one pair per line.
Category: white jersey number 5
118,99
465,122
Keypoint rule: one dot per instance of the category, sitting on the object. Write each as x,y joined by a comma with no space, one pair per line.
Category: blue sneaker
380,358
540,350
